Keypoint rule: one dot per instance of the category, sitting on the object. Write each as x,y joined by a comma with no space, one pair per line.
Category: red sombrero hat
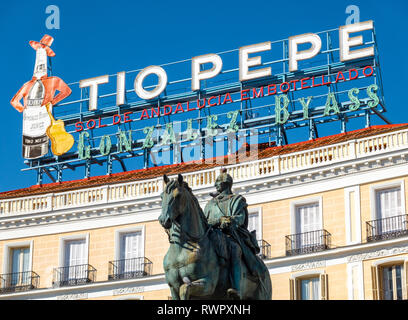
45,42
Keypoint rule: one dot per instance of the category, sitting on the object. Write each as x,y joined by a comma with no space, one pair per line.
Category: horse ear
166,179
180,179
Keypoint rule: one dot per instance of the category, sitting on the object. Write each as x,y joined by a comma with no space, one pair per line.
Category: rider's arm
210,218
238,209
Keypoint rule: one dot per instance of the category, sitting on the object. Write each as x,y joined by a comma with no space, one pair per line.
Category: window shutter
292,289
375,282
324,287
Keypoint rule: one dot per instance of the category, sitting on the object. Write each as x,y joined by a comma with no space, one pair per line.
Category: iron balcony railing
19,281
307,242
74,275
130,268
387,228
265,252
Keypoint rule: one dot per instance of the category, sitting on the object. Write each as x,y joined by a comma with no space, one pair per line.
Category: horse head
174,200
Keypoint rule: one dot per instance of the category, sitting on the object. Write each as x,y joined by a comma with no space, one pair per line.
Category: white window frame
257,210
384,186
8,247
65,239
297,203
120,232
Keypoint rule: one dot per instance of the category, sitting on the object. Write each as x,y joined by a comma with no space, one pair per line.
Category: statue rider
228,212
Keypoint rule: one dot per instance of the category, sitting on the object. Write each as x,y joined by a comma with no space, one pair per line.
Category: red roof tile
149,173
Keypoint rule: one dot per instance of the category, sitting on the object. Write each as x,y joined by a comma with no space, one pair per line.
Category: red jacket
51,84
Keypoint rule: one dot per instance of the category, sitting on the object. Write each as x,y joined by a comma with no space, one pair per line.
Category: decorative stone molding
308,265
73,296
128,290
377,254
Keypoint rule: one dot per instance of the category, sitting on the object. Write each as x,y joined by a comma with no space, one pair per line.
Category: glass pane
310,289
26,259
398,282
15,268
26,266
16,261
305,283
387,284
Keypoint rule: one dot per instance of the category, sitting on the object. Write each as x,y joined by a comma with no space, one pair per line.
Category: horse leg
173,282
174,293
201,287
198,288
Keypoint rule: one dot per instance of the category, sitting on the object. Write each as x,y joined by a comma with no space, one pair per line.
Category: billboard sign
209,105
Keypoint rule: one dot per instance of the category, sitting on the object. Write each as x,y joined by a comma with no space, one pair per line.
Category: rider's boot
233,294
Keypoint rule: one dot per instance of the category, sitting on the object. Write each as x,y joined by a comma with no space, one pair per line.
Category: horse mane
195,202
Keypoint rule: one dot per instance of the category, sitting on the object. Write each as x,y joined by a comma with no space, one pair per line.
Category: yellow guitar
61,141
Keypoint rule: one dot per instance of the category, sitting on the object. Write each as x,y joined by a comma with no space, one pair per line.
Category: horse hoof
233,294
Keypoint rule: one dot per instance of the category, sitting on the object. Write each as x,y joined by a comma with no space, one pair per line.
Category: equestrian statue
212,255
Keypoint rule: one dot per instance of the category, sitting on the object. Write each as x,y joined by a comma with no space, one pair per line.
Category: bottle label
35,117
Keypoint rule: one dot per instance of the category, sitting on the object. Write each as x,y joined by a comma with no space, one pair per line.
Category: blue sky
105,37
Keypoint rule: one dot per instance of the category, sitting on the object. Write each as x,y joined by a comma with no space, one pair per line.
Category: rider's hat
224,177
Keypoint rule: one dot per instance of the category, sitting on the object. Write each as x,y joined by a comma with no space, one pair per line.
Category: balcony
387,228
73,275
307,242
19,281
130,268
265,252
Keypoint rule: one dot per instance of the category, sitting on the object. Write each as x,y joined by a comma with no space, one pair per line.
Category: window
307,218
307,221
17,267
390,281
388,203
309,287
253,224
20,267
75,252
131,252
75,260
388,207
130,261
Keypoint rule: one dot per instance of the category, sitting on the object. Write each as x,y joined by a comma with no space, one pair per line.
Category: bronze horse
192,268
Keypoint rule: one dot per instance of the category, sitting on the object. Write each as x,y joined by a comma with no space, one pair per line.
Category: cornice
150,207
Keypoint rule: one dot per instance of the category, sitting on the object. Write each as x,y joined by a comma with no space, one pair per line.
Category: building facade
329,214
